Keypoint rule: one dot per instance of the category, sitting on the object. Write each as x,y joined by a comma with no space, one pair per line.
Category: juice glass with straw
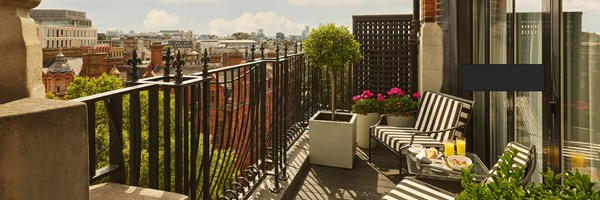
449,148
461,145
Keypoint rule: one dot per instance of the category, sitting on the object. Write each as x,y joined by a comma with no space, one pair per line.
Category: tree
240,35
167,47
333,48
85,86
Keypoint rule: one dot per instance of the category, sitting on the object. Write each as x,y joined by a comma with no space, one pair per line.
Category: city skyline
223,17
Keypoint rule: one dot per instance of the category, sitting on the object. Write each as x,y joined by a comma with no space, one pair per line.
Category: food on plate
458,162
431,152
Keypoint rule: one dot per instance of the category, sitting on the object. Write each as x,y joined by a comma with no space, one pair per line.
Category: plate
438,163
415,148
458,162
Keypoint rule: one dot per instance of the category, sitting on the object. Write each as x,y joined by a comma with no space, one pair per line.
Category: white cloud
271,22
157,19
581,5
187,1
350,3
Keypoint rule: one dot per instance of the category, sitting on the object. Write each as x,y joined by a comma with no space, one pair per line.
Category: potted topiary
332,135
366,107
400,108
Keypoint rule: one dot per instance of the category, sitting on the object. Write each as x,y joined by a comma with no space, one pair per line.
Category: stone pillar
431,57
20,52
43,150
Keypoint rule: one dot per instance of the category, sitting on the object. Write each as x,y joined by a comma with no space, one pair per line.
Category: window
57,87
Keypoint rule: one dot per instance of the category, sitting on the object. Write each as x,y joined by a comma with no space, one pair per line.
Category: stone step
126,192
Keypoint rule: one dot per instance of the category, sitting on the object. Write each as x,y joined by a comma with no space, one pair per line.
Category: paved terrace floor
364,181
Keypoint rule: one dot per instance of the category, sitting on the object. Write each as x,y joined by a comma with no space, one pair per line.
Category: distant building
63,28
236,44
280,35
61,18
57,76
177,34
181,45
113,33
305,33
261,33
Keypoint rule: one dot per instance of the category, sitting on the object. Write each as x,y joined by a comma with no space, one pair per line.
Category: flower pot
401,120
332,143
363,123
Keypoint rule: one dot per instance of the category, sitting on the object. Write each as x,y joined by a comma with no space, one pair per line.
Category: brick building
57,77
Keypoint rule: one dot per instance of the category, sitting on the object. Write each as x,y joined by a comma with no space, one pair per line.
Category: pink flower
396,91
367,94
380,97
356,98
416,95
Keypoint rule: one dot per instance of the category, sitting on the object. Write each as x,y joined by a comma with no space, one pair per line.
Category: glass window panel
581,58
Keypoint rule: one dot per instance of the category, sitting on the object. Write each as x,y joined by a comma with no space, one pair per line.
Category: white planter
401,120
332,143
363,123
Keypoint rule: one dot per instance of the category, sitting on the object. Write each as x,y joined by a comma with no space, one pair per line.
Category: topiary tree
331,47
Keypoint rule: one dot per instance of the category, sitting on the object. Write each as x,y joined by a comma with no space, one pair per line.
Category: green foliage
505,185
167,47
84,86
240,35
400,103
331,47
365,103
50,95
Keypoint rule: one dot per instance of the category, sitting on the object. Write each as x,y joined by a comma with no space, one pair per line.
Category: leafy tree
167,47
333,48
240,35
50,95
84,86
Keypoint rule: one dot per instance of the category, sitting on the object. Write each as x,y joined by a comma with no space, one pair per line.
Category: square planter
332,143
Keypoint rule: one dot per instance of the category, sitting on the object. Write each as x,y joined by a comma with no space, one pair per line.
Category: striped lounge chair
440,117
412,188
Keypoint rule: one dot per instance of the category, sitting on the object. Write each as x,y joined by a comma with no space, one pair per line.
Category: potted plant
366,107
332,135
400,108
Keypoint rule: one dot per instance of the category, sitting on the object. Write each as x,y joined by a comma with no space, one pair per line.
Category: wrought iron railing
212,134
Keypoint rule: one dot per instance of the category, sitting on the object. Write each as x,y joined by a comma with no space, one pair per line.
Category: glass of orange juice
461,145
449,148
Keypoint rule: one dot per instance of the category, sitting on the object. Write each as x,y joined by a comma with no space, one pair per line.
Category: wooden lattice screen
385,49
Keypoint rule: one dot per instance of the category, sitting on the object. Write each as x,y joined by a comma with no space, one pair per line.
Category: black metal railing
211,134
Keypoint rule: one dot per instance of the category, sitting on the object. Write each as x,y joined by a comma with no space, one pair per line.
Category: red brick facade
431,10
94,65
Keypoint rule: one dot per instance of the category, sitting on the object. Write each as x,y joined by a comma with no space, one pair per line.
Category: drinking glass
461,145
449,148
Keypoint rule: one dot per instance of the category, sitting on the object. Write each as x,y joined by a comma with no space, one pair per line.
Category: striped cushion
411,188
520,159
436,112
396,137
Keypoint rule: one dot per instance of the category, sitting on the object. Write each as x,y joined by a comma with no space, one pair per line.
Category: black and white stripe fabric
521,159
436,112
411,188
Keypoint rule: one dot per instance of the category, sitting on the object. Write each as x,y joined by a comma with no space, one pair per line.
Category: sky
223,17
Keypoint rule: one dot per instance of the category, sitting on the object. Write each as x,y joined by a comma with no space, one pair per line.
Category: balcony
238,132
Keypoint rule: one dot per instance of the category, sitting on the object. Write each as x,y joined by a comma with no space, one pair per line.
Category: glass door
581,87
528,105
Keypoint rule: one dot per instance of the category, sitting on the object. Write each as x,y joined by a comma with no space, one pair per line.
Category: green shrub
567,185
